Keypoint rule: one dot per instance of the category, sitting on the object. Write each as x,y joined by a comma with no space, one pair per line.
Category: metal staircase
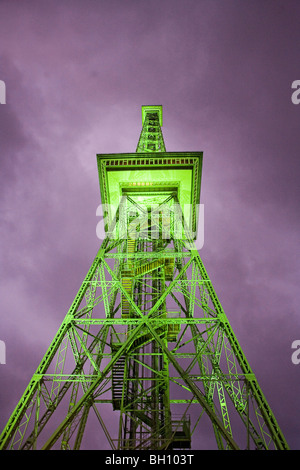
118,383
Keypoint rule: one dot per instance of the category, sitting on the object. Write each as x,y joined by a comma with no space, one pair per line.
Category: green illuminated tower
145,358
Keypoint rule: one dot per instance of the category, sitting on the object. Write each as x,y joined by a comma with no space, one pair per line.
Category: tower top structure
151,173
151,138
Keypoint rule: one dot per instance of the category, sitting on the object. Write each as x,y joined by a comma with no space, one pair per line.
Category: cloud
76,76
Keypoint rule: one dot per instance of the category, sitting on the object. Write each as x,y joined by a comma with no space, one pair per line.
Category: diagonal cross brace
197,393
88,394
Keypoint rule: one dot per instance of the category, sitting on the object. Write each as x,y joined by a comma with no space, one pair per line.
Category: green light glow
183,177
161,170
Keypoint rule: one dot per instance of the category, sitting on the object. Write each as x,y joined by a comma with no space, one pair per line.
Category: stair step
148,267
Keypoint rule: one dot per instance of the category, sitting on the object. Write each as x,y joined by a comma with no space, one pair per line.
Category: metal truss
151,138
145,358
158,351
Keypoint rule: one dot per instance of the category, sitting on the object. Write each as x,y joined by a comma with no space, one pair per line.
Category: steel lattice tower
145,358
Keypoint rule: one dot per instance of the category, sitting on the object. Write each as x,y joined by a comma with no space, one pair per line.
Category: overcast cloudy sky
76,75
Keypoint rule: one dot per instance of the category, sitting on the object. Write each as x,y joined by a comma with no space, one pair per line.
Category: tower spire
151,137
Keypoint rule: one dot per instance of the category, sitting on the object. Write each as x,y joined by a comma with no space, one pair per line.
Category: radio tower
145,358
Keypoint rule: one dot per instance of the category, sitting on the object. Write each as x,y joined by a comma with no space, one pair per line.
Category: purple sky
76,74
